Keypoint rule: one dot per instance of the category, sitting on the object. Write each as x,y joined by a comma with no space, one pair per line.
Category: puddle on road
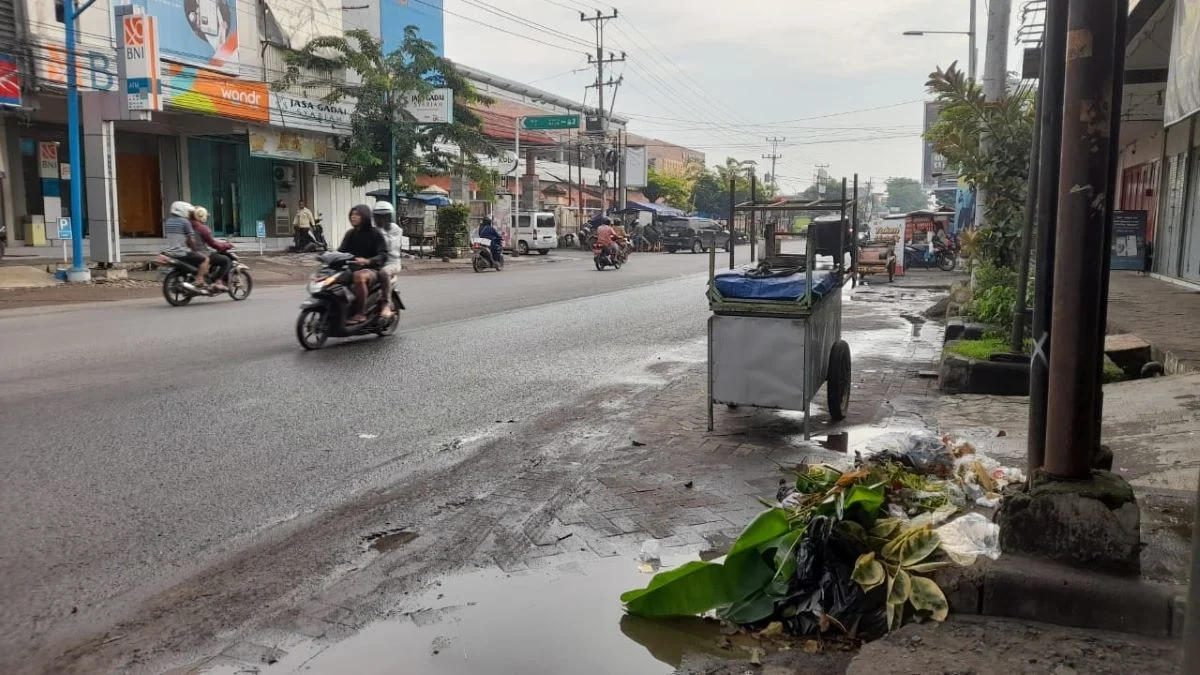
567,619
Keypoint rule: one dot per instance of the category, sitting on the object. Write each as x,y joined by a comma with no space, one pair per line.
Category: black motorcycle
325,314
310,241
179,276
943,256
482,258
603,257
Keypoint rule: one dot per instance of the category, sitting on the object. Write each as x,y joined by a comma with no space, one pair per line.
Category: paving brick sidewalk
1161,313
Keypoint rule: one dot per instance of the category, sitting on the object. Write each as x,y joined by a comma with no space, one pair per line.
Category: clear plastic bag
966,538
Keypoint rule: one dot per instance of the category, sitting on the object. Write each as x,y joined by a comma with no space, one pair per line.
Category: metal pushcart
776,354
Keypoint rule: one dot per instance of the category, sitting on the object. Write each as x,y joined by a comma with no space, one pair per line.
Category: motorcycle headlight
317,282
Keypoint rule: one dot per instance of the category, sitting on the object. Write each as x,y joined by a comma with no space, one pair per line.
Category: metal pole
840,257
516,222
854,235
973,57
1114,161
1049,155
1070,432
1191,621
79,271
732,204
995,80
1016,342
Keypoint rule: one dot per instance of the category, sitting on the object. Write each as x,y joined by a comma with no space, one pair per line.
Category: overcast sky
721,76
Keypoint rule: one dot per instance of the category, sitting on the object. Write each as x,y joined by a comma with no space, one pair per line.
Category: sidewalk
1161,313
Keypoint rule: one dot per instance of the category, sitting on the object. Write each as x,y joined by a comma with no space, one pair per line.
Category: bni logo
135,35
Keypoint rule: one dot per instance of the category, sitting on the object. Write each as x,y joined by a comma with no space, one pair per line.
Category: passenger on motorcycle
217,261
385,219
489,232
606,236
181,234
369,248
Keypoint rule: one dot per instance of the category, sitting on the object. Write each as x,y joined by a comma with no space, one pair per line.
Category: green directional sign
548,122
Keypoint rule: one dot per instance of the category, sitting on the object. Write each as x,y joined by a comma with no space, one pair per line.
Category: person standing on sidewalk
302,225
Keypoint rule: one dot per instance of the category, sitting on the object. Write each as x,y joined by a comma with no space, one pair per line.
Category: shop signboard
1183,75
201,33
139,39
10,81
48,161
288,145
193,90
436,108
94,70
1128,241
292,111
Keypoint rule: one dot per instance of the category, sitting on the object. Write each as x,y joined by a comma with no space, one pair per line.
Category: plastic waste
966,538
651,551
922,452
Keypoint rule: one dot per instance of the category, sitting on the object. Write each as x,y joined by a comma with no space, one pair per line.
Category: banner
635,166
437,108
139,39
10,81
933,165
1183,75
192,90
1128,241
964,208
298,112
201,33
288,145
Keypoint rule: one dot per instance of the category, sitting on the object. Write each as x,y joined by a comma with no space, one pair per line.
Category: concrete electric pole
995,77
774,141
599,60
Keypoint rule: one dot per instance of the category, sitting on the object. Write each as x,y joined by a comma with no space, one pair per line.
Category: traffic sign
547,122
260,229
64,228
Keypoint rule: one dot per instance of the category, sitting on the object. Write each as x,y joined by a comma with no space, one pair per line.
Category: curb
1016,587
963,375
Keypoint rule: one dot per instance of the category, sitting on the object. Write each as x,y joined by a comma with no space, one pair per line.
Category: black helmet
485,222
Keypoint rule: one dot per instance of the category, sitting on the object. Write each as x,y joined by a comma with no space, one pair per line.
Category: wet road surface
143,443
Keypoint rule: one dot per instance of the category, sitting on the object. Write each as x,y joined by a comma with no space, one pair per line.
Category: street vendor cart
774,336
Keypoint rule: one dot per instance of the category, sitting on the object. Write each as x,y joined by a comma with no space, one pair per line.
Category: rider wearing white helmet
180,234
384,215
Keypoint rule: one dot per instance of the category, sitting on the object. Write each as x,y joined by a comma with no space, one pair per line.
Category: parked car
697,235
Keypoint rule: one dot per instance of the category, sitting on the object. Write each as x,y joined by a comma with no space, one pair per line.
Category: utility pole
774,141
599,60
817,178
79,271
1081,257
995,77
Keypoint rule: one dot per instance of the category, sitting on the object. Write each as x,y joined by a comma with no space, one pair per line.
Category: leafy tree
674,190
1002,168
384,82
709,196
906,194
945,198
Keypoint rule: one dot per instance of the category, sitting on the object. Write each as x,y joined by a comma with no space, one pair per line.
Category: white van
540,238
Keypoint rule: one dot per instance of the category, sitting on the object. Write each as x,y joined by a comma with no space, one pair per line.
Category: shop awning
431,199
657,209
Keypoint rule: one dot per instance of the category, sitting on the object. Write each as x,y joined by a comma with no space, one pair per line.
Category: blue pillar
78,271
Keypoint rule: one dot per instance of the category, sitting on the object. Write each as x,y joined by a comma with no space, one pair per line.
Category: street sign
548,122
260,229
64,228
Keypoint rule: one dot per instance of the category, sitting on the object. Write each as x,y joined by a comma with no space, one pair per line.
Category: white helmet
384,208
182,209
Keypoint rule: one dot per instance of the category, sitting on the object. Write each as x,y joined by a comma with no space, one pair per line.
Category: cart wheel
837,380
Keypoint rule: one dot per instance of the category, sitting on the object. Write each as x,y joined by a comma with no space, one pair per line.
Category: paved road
142,442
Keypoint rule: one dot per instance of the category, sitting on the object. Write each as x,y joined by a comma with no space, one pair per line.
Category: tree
709,197
906,195
1002,169
384,83
674,190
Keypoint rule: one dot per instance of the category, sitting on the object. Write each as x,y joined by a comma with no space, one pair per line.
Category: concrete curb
962,375
1173,364
1016,587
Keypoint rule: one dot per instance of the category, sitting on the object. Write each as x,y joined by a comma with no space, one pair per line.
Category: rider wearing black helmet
488,231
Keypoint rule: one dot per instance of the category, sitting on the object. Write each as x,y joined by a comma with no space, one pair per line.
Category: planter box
962,375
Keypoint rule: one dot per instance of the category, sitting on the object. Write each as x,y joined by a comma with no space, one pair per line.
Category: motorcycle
179,276
943,257
305,241
482,258
324,315
605,258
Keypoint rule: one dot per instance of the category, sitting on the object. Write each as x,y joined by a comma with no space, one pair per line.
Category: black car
697,235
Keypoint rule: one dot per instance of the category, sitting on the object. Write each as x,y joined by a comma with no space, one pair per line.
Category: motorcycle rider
217,260
369,248
488,231
180,234
384,215
606,236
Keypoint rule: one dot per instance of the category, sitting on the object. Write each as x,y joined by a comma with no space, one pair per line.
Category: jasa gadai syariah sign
202,33
426,15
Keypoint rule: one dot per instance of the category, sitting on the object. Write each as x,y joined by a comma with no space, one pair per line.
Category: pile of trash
847,553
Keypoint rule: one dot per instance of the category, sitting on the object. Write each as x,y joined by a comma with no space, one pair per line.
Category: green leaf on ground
868,573
770,524
927,597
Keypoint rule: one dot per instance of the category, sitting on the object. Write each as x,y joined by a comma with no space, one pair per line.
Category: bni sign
140,55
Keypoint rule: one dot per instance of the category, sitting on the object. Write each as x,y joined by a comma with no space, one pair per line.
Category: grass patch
981,350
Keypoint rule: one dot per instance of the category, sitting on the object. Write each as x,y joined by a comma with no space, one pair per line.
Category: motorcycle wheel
240,284
390,328
478,264
312,329
173,290
946,263
599,265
